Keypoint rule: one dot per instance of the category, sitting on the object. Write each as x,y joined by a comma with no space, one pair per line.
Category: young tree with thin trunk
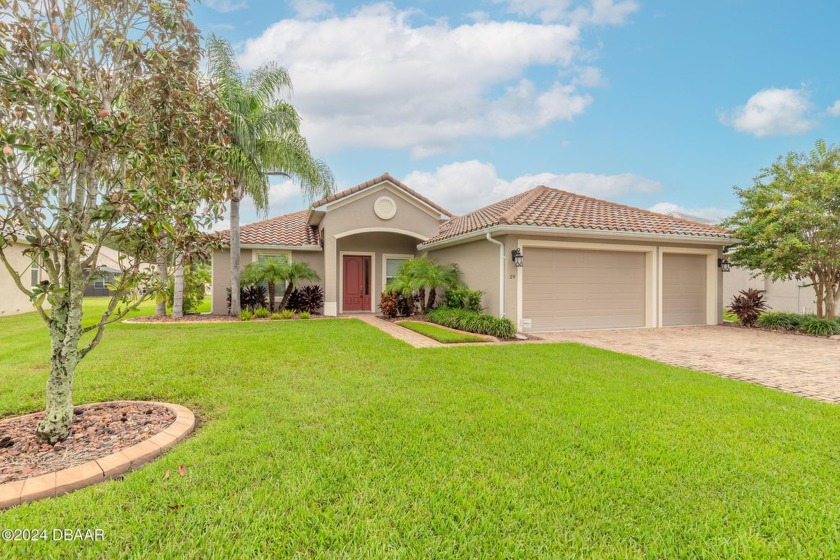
789,223
83,160
265,140
293,274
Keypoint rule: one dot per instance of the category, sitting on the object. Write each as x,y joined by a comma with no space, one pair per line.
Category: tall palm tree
294,273
265,140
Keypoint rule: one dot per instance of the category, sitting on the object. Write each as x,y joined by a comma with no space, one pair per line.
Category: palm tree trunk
422,292
432,297
289,289
271,288
178,287
235,304
160,311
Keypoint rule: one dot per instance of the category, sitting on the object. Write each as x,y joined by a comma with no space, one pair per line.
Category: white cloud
711,214
372,79
468,185
311,9
773,112
834,110
596,12
225,6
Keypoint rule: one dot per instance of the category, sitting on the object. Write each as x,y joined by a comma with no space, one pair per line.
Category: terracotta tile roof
291,229
548,207
380,179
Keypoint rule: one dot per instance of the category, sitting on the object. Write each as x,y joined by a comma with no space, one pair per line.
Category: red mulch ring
97,430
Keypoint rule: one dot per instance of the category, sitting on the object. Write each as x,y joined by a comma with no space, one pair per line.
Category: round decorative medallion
385,207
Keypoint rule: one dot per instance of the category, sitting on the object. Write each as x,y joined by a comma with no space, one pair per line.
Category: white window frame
34,266
385,257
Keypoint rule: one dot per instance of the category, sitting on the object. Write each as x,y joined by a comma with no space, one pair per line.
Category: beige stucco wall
12,300
479,264
221,270
792,296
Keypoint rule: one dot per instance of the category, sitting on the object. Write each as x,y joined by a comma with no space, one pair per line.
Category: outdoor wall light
516,255
723,264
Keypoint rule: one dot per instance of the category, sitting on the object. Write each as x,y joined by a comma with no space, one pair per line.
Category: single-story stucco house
12,300
586,263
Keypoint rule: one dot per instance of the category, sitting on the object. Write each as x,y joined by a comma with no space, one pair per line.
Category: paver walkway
406,335
804,365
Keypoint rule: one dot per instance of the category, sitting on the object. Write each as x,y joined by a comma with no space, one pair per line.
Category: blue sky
662,105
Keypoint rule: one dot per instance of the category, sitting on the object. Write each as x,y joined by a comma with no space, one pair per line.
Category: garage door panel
579,289
683,289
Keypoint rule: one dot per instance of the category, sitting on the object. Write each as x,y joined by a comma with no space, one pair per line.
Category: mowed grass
331,439
445,336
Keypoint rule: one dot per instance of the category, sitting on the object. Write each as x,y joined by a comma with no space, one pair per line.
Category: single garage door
683,289
571,289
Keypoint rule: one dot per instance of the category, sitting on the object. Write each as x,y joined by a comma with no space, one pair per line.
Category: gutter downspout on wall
501,274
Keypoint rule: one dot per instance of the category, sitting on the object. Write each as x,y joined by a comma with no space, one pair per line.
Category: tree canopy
788,225
108,133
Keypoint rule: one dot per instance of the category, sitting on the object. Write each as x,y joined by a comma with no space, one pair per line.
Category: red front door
356,289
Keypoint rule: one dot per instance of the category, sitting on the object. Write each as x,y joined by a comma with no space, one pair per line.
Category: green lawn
445,336
331,439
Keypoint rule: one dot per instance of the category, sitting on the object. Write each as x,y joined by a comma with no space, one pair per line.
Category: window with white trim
34,274
99,282
392,265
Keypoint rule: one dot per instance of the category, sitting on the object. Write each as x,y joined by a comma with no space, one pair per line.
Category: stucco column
330,277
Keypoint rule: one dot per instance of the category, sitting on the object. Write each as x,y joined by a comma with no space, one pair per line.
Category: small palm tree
294,273
271,271
423,274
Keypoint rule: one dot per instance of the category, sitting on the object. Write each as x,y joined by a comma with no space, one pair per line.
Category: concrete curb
99,470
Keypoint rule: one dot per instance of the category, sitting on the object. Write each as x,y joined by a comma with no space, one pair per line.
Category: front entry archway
356,284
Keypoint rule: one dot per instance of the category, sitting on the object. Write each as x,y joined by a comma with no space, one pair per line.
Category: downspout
501,274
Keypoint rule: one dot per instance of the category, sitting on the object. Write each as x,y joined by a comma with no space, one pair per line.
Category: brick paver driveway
804,365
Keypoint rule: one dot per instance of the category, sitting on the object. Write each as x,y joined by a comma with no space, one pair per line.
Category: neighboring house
107,269
12,300
794,296
587,263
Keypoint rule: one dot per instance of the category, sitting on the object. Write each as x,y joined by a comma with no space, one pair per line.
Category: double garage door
578,289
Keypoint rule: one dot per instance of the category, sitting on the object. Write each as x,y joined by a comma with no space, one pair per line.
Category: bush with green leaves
304,315
287,313
262,313
470,321
275,316
461,297
246,315
420,276
780,321
819,326
196,278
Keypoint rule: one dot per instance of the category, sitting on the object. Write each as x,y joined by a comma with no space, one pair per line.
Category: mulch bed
97,430
208,318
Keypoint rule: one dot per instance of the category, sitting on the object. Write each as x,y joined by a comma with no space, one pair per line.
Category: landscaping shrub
246,315
287,313
196,278
747,305
780,321
304,315
819,327
393,304
250,297
472,322
275,316
262,313
307,298
462,297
